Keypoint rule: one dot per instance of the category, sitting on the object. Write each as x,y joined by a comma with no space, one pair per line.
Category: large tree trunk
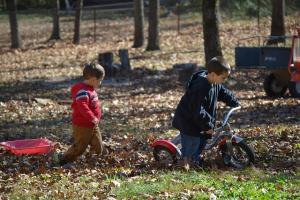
277,26
212,46
3,4
138,23
153,29
55,30
13,21
76,39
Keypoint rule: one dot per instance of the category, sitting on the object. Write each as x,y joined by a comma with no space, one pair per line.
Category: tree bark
55,30
76,39
277,26
3,4
13,21
212,45
153,29
138,23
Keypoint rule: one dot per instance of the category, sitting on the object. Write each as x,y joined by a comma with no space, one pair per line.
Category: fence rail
110,6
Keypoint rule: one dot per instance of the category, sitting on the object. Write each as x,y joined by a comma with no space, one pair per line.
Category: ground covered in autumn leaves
137,108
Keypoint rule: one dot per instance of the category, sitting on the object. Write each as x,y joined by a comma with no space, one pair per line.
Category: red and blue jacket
86,106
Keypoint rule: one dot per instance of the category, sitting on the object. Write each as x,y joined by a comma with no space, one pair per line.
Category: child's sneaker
55,160
68,166
186,164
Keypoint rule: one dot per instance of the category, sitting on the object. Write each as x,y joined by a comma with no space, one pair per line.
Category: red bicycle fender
165,143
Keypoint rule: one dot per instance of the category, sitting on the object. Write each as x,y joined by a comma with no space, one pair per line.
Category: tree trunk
138,23
76,39
153,29
212,45
3,4
277,26
55,30
225,4
13,21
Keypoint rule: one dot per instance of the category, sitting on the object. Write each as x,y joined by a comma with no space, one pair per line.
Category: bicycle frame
221,137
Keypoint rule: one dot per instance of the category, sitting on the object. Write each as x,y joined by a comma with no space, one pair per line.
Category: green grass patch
248,184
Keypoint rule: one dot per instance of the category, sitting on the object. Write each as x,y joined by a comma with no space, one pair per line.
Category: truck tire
294,88
273,88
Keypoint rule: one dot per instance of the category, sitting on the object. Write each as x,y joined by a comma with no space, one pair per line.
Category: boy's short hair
93,69
218,65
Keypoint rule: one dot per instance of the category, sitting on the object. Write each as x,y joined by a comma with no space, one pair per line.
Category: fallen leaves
132,120
136,111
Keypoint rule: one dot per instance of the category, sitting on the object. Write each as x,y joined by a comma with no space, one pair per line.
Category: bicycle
234,149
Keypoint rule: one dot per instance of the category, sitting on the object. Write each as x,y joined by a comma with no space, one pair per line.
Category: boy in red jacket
86,114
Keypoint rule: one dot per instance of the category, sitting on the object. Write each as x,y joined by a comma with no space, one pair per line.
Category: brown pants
82,138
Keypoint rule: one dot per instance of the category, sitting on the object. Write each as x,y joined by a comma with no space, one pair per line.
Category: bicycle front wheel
243,155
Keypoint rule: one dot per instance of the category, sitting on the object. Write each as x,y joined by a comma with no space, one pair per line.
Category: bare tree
13,21
76,39
55,30
3,4
277,26
153,29
138,23
212,46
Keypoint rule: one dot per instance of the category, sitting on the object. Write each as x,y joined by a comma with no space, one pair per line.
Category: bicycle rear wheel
164,155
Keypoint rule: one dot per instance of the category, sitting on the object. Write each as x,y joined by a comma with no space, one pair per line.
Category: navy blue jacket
196,111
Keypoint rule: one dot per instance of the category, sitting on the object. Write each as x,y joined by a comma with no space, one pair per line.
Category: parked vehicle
282,62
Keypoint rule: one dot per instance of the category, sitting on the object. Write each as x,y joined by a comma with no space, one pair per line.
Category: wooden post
185,70
106,60
124,58
258,16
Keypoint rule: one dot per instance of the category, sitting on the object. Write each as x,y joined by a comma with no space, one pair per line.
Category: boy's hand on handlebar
208,134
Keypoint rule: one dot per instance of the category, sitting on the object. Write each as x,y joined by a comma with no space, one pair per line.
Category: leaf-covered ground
137,106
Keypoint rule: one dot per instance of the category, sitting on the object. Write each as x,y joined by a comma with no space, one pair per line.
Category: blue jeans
192,147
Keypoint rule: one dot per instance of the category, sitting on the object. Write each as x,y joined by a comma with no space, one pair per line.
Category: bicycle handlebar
229,114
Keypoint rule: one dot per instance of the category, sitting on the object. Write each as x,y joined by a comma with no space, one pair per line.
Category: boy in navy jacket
195,115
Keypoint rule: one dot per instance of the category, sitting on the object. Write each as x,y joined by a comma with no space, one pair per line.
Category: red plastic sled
29,146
